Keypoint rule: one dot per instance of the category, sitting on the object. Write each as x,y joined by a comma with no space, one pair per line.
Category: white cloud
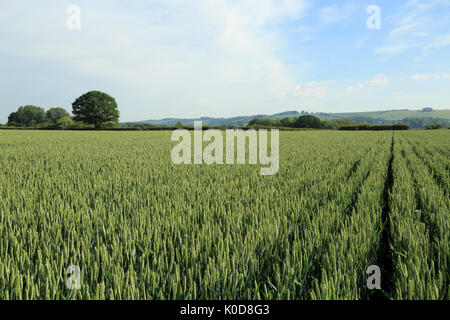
320,90
313,89
421,25
391,49
360,43
420,76
438,42
379,80
333,14
429,76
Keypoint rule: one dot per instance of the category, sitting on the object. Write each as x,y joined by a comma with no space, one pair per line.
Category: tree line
93,109
303,121
312,122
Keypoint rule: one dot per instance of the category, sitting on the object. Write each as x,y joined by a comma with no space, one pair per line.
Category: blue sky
178,58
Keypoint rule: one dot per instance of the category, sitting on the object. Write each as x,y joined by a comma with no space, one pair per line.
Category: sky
222,58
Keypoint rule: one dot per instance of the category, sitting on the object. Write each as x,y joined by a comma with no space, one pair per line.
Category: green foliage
336,124
304,121
286,122
56,114
379,127
65,122
434,126
96,108
35,117
308,121
265,122
27,116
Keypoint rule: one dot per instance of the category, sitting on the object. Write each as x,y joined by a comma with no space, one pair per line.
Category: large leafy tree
308,121
55,114
27,116
97,108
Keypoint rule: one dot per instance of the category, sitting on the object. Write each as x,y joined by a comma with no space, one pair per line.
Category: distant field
139,227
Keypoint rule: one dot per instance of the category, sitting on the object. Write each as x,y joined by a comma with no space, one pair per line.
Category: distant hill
389,115
416,118
234,121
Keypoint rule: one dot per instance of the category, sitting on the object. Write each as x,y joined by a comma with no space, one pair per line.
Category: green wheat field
139,227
